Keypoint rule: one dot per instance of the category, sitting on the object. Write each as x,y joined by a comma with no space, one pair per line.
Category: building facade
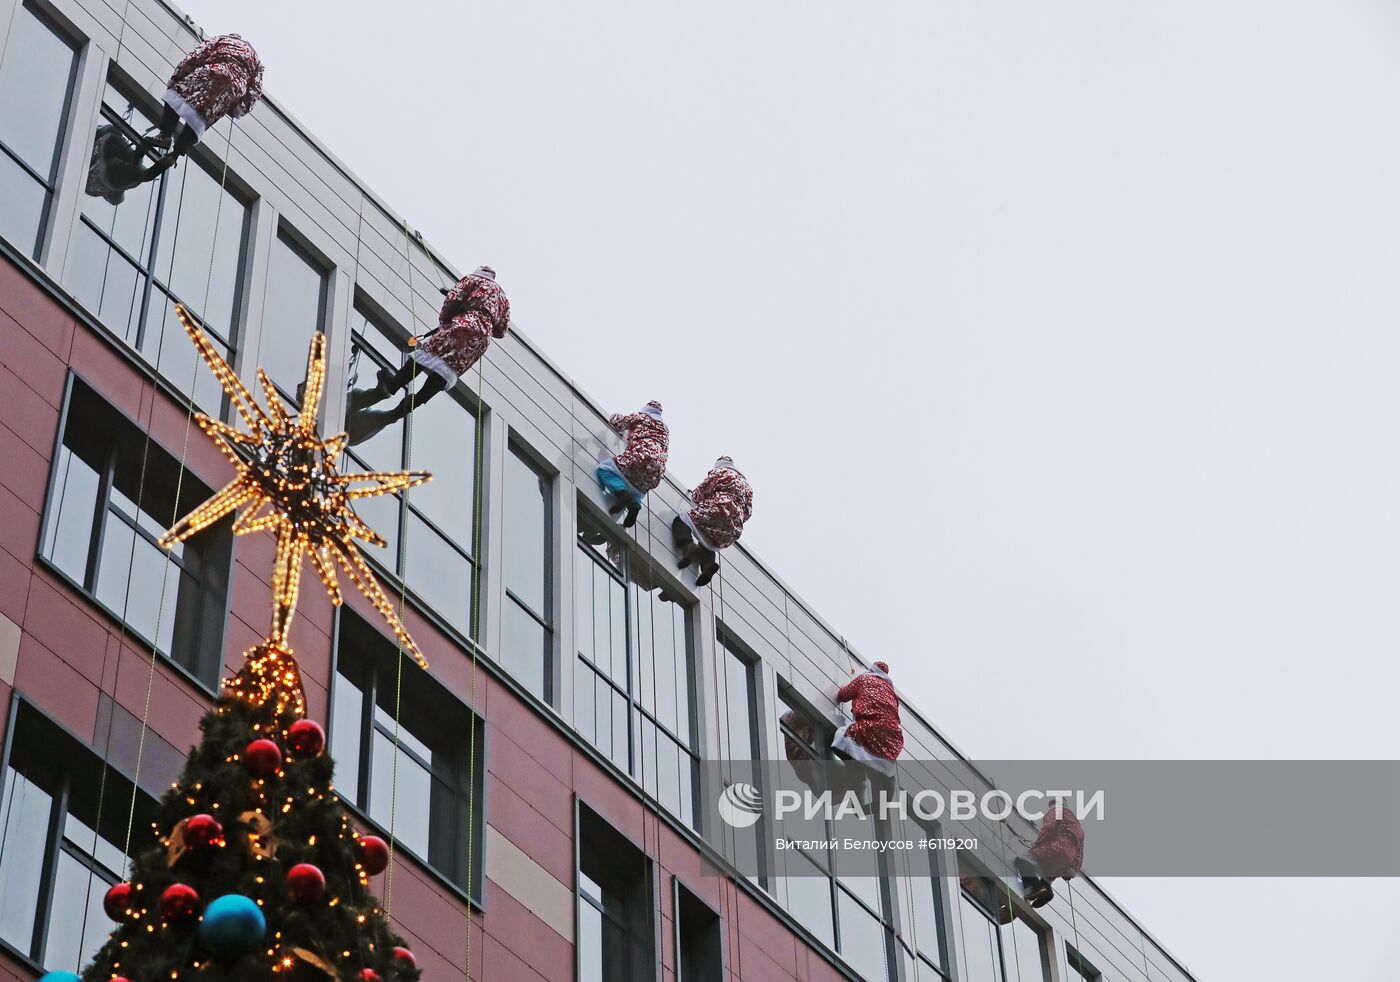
565,846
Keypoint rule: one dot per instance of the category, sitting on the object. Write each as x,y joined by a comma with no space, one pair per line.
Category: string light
288,483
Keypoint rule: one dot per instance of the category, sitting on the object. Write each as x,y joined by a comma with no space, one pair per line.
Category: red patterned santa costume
643,460
876,736
723,502
221,77
475,311
1059,847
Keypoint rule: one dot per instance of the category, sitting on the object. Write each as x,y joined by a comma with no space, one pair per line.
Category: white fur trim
434,364
855,751
186,112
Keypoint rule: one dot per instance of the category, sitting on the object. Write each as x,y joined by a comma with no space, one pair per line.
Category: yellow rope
473,628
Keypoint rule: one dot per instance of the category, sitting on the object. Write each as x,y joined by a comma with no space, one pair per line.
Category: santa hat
653,404
485,271
882,667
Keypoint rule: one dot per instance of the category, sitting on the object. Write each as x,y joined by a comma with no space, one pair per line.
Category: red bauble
119,978
262,757
306,738
368,975
117,901
405,958
305,883
374,854
179,902
202,831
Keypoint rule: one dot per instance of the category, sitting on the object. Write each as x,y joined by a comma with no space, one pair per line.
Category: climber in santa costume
628,476
875,736
220,77
1058,852
722,503
475,311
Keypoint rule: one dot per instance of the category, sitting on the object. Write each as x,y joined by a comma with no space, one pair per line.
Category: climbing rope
131,558
403,594
476,602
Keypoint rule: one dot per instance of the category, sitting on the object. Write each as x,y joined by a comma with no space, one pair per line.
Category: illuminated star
288,484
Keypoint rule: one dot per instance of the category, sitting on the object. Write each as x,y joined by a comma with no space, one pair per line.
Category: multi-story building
599,677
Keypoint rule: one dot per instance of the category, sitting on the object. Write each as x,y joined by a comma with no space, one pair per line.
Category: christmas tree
259,873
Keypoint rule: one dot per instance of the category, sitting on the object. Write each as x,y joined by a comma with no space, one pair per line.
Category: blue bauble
59,977
233,926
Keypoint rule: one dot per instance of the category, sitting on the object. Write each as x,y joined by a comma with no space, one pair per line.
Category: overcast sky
1059,340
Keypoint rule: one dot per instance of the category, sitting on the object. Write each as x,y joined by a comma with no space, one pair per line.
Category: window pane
410,821
739,709
22,202
524,648
382,515
292,313
527,534
201,245
166,345
141,606
24,819
347,722
105,283
439,574
130,224
917,894
809,899
443,443
35,77
862,938
590,942
68,537
67,945
584,713
1023,955
979,945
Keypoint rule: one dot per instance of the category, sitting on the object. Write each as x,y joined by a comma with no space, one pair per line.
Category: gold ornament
289,483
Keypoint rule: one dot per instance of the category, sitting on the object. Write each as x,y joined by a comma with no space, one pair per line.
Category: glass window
739,728
924,927
113,494
642,718
862,937
435,558
178,239
426,763
57,855
294,309
36,83
615,908
527,636
699,939
1080,968
981,944
999,944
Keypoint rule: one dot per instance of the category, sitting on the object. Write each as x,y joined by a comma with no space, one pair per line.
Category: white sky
1058,339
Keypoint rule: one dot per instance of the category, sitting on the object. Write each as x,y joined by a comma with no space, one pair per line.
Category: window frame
216,546
145,267
49,184
969,867
648,906
399,573
286,235
515,447
678,889
54,837
467,800
638,715
1081,966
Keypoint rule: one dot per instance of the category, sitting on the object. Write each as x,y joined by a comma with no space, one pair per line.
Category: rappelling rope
739,947
131,558
476,719
403,593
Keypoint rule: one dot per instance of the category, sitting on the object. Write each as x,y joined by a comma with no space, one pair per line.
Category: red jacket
723,503
1059,848
220,77
643,460
876,710
474,311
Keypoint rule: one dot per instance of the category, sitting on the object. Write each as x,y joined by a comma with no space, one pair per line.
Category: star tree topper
288,484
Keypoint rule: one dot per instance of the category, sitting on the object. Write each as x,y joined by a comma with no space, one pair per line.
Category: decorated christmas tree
259,873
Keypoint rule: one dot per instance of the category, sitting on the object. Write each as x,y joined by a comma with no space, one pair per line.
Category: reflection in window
432,773
527,631
999,944
429,537
615,941
56,858
634,695
36,83
847,913
178,239
921,900
294,309
96,535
